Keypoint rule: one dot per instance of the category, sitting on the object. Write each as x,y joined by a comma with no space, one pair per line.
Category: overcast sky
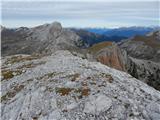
81,13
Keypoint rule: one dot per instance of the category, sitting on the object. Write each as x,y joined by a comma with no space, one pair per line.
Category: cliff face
145,56
145,70
113,56
63,86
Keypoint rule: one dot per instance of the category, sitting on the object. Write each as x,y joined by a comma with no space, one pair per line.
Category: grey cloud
79,10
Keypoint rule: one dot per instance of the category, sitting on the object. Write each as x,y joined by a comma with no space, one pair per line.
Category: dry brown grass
108,77
73,77
20,58
149,40
85,91
95,48
31,65
63,91
8,74
48,75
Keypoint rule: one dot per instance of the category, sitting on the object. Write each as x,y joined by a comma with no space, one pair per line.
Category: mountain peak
56,24
55,29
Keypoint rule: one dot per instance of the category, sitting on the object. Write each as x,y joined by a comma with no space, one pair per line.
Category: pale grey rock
43,39
153,110
45,91
97,104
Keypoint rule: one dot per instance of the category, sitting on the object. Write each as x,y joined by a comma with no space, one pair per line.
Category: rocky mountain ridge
143,47
124,31
43,39
63,86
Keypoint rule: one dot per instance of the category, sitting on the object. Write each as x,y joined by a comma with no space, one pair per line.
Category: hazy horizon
80,13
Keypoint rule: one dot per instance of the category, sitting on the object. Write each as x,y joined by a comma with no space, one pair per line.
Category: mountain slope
113,56
63,86
143,47
41,39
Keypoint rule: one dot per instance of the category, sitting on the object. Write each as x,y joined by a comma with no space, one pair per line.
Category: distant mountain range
123,31
93,38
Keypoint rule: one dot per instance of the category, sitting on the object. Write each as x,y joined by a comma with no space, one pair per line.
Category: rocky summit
43,39
62,86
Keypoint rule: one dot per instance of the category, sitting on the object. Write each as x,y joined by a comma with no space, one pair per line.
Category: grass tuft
63,91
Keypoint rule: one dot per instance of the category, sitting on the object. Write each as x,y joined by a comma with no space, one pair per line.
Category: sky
81,13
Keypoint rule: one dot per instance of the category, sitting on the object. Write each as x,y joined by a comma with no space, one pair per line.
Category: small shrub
108,76
82,91
7,74
63,91
73,77
88,78
85,91
48,75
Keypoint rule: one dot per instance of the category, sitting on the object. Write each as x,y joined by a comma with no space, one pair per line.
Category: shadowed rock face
43,39
145,70
143,47
145,57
